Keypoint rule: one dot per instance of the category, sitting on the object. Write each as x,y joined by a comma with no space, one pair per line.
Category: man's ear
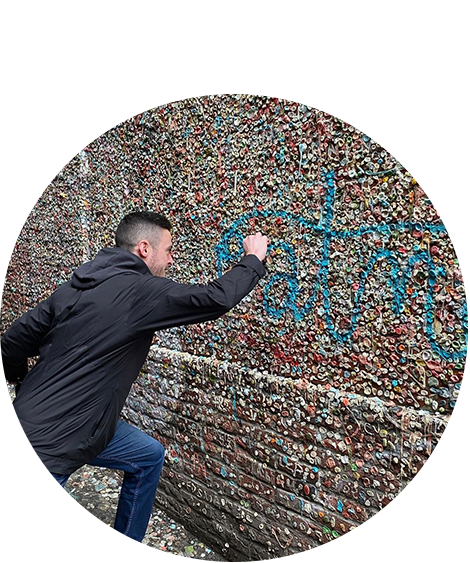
143,248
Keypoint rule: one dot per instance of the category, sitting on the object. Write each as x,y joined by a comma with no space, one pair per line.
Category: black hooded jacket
92,336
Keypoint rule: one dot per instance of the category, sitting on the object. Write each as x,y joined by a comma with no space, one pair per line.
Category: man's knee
158,453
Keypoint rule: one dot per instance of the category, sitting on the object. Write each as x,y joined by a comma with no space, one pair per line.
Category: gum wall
312,404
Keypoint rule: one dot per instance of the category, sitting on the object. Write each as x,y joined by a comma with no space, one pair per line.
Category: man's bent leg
141,458
61,479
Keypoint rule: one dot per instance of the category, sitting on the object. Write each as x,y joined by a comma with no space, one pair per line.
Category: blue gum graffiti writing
398,279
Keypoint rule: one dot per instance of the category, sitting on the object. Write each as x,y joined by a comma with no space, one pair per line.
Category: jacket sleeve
23,340
162,303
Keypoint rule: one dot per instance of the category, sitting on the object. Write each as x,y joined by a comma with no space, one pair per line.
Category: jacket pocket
98,425
104,429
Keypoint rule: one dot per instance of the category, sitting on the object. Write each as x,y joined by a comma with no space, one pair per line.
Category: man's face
159,254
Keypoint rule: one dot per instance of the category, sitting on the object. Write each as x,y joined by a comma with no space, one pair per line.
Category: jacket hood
109,262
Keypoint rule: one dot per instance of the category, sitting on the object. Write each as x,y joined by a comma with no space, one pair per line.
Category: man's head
147,235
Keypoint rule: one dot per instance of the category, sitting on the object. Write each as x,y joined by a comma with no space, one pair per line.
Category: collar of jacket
109,262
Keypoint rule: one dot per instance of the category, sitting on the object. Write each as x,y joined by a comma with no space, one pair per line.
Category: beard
158,271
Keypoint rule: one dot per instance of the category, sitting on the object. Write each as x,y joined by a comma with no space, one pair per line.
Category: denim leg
141,458
61,479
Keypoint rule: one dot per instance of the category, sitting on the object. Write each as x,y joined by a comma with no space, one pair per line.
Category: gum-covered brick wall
262,465
309,406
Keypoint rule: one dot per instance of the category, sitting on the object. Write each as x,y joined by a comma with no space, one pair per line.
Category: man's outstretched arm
163,303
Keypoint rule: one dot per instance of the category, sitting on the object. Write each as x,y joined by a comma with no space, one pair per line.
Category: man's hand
257,245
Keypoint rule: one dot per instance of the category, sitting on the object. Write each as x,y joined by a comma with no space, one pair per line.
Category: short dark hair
140,225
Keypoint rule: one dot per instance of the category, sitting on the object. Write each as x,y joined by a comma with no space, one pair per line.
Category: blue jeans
141,458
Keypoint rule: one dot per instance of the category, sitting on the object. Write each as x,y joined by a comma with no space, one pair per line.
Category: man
92,336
